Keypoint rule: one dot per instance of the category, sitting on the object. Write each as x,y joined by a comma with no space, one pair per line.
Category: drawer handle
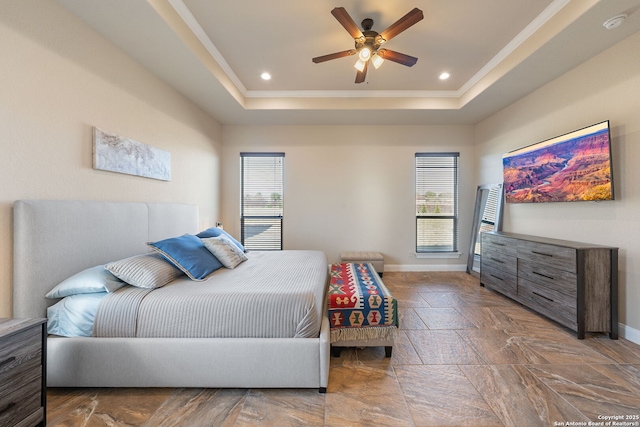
543,275
498,244
497,260
541,253
7,361
542,296
496,277
7,407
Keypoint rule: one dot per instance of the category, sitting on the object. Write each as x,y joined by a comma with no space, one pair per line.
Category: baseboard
629,333
425,267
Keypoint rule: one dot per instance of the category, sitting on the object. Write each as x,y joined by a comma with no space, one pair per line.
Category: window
261,201
436,202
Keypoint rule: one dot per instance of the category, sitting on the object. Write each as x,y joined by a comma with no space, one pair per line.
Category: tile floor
465,356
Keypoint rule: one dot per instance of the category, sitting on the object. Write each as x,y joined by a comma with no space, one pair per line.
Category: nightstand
23,372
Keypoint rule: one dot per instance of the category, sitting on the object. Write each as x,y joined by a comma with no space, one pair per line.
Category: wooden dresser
23,372
575,284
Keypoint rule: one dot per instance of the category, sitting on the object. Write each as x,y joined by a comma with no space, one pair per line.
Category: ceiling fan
368,42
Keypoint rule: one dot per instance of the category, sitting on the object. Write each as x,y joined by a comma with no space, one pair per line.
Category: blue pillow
215,232
189,254
94,279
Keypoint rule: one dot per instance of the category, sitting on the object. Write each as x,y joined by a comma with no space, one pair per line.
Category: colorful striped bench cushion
360,306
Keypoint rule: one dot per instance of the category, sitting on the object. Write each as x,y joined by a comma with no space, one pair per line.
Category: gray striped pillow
147,271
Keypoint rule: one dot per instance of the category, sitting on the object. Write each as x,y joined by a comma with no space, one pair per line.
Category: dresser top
9,327
550,241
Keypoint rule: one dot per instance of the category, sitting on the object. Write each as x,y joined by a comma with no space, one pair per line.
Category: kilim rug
360,306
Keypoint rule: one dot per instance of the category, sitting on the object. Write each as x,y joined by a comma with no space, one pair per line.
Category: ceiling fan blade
335,55
360,76
398,57
340,13
402,24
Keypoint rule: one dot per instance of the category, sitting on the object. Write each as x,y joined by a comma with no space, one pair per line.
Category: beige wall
58,80
605,87
346,187
352,187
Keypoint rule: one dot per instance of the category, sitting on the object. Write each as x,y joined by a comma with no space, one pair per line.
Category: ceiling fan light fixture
365,53
377,60
360,65
368,42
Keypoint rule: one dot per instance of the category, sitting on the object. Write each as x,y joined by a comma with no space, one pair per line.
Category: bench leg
335,351
387,351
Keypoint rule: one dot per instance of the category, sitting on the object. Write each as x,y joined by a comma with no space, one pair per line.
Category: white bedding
276,294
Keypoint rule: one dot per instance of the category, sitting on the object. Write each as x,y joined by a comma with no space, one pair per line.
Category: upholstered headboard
54,239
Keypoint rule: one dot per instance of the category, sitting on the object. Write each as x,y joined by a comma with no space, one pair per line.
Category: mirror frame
477,220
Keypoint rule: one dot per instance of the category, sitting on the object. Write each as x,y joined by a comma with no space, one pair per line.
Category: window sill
437,254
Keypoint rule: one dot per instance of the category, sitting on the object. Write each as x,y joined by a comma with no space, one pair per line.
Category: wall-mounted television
572,167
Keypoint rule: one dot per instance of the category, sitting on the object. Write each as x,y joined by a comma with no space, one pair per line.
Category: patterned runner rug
360,306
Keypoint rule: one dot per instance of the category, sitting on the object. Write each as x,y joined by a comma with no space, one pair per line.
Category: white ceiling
495,50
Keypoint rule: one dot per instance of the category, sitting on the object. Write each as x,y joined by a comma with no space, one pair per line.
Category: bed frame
56,239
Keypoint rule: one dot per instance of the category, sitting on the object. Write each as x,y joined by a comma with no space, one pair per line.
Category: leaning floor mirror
487,216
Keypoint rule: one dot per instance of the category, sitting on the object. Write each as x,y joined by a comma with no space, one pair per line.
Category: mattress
279,294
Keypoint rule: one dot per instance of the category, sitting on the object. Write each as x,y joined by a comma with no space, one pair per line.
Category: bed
54,240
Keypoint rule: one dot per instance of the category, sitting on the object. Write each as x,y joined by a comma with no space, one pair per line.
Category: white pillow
227,252
91,280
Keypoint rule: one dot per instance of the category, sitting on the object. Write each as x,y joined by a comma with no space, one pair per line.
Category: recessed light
265,76
444,76
614,22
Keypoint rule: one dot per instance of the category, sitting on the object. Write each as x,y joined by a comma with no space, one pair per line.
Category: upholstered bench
362,311
375,258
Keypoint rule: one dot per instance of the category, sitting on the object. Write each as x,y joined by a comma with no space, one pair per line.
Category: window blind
261,201
436,202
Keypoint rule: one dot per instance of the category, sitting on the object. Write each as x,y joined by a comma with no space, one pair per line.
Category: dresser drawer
499,261
551,255
20,348
550,277
22,403
499,280
22,372
20,392
18,377
554,304
500,244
